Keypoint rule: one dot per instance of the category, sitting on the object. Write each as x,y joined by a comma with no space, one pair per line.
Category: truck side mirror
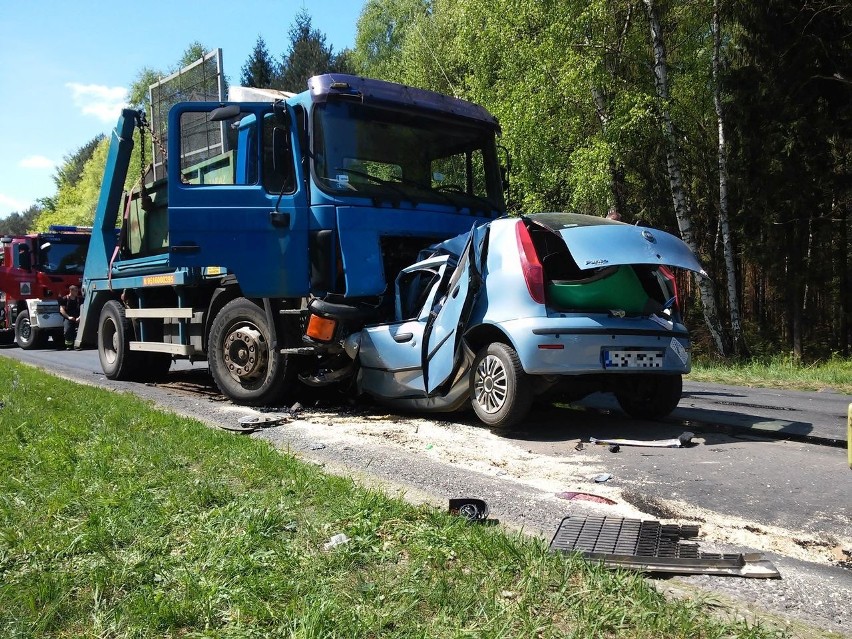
225,112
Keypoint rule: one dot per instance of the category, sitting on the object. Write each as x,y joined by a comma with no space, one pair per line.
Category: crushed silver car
522,306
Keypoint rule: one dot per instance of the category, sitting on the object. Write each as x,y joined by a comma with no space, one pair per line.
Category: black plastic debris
470,509
251,423
650,546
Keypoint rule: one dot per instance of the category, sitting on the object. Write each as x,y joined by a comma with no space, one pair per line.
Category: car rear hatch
594,264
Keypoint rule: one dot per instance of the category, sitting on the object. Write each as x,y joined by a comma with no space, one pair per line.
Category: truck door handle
401,338
185,248
279,220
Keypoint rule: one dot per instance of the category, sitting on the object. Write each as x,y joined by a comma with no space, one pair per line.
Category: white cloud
36,162
10,204
105,103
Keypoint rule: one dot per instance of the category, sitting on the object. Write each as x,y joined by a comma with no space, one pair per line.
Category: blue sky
65,66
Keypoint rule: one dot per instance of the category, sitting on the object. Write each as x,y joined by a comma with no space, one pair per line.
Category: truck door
236,196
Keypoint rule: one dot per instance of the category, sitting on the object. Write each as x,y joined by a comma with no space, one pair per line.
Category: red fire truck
35,271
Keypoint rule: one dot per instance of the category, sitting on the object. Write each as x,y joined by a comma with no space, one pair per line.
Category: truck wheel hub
245,353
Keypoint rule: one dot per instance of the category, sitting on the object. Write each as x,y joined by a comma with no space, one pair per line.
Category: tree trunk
684,220
739,344
845,283
612,63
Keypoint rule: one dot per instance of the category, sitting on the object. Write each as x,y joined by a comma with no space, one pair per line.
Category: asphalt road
765,463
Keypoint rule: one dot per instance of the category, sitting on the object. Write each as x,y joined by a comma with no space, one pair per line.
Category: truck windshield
64,258
368,151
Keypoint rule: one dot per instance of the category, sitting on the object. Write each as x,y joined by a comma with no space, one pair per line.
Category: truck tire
500,390
114,336
649,396
28,336
243,365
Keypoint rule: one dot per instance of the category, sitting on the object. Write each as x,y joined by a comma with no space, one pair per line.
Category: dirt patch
469,445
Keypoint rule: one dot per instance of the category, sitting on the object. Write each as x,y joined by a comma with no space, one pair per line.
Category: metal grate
651,546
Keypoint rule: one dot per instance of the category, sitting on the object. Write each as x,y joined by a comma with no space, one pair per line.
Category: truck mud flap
650,546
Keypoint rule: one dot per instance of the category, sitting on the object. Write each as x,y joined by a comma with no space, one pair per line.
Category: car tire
500,390
243,365
115,333
28,336
649,396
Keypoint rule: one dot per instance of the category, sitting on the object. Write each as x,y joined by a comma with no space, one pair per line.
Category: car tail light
321,328
666,273
530,264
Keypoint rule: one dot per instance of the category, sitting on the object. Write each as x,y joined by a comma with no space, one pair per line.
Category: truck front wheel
242,361
28,336
114,335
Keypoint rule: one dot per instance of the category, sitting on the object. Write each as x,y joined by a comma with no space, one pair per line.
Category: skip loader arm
104,241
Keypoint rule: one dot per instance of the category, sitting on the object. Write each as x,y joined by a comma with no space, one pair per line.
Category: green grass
777,372
117,520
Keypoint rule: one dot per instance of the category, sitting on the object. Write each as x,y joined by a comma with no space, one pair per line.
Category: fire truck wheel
114,336
243,364
28,336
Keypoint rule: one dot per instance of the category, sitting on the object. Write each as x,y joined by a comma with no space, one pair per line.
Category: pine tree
259,69
308,55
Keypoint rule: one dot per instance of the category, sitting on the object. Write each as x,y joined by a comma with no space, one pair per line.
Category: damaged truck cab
316,200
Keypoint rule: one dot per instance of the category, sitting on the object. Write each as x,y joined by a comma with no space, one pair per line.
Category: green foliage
307,56
138,94
72,166
572,84
20,223
775,370
75,203
383,29
259,69
193,53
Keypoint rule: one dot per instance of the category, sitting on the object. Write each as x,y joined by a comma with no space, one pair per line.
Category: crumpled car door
390,354
442,337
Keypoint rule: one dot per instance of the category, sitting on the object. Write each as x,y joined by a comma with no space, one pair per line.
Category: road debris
599,479
336,540
685,439
470,509
650,546
251,423
580,496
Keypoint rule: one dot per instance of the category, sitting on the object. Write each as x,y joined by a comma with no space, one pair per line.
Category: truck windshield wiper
395,184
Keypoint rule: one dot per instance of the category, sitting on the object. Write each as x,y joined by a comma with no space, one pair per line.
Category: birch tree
681,209
739,345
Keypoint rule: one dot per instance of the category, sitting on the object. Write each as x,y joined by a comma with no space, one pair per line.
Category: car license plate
633,358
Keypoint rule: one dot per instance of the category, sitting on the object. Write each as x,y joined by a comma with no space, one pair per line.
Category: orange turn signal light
321,328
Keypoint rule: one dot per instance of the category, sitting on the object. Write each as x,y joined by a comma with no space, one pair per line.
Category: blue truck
269,210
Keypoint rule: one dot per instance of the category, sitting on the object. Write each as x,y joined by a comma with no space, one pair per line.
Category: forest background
727,122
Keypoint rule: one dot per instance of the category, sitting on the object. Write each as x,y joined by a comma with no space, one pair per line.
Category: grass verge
777,372
117,520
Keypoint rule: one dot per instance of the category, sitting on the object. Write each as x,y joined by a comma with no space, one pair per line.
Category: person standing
69,308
